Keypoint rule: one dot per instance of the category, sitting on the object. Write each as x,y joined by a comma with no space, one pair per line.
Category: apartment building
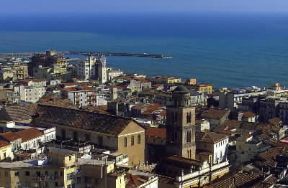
30,90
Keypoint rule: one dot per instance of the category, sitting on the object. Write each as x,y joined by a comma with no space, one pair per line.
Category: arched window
188,136
188,117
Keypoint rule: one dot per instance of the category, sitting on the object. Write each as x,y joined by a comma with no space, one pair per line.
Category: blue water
225,50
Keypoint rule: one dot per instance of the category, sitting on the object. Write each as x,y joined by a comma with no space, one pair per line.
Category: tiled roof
275,121
3,143
135,181
181,161
53,100
214,114
210,137
25,135
240,179
227,126
268,158
268,182
147,109
17,113
156,132
29,134
104,123
248,114
9,136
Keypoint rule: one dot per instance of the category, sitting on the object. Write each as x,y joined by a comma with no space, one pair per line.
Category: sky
115,6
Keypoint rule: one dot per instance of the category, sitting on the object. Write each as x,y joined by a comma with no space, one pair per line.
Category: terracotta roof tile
156,132
248,114
214,114
29,134
93,121
181,161
135,181
240,179
3,143
210,137
9,136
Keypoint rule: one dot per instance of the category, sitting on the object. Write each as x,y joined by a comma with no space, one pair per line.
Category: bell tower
180,125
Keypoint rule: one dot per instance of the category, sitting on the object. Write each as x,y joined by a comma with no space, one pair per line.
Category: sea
225,49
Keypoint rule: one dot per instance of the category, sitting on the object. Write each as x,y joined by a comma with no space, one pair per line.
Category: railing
201,172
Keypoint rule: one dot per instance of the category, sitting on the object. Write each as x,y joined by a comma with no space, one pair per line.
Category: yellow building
173,80
117,134
58,171
16,71
5,150
191,82
205,88
61,169
99,174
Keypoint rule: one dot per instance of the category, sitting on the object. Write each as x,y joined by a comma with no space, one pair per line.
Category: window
27,173
175,136
16,173
87,137
63,134
75,136
139,139
189,153
100,140
188,136
132,140
69,176
175,117
125,142
188,117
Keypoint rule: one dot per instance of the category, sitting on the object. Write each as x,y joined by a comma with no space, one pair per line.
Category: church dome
181,89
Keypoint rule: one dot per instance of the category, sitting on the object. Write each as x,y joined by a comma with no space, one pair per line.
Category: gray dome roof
181,89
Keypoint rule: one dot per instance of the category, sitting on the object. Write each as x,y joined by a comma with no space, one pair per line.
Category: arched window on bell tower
188,136
188,117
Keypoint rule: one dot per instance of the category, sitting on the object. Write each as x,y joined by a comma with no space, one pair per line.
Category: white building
93,68
87,69
102,70
233,99
203,125
32,138
31,91
29,138
214,143
111,74
83,98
